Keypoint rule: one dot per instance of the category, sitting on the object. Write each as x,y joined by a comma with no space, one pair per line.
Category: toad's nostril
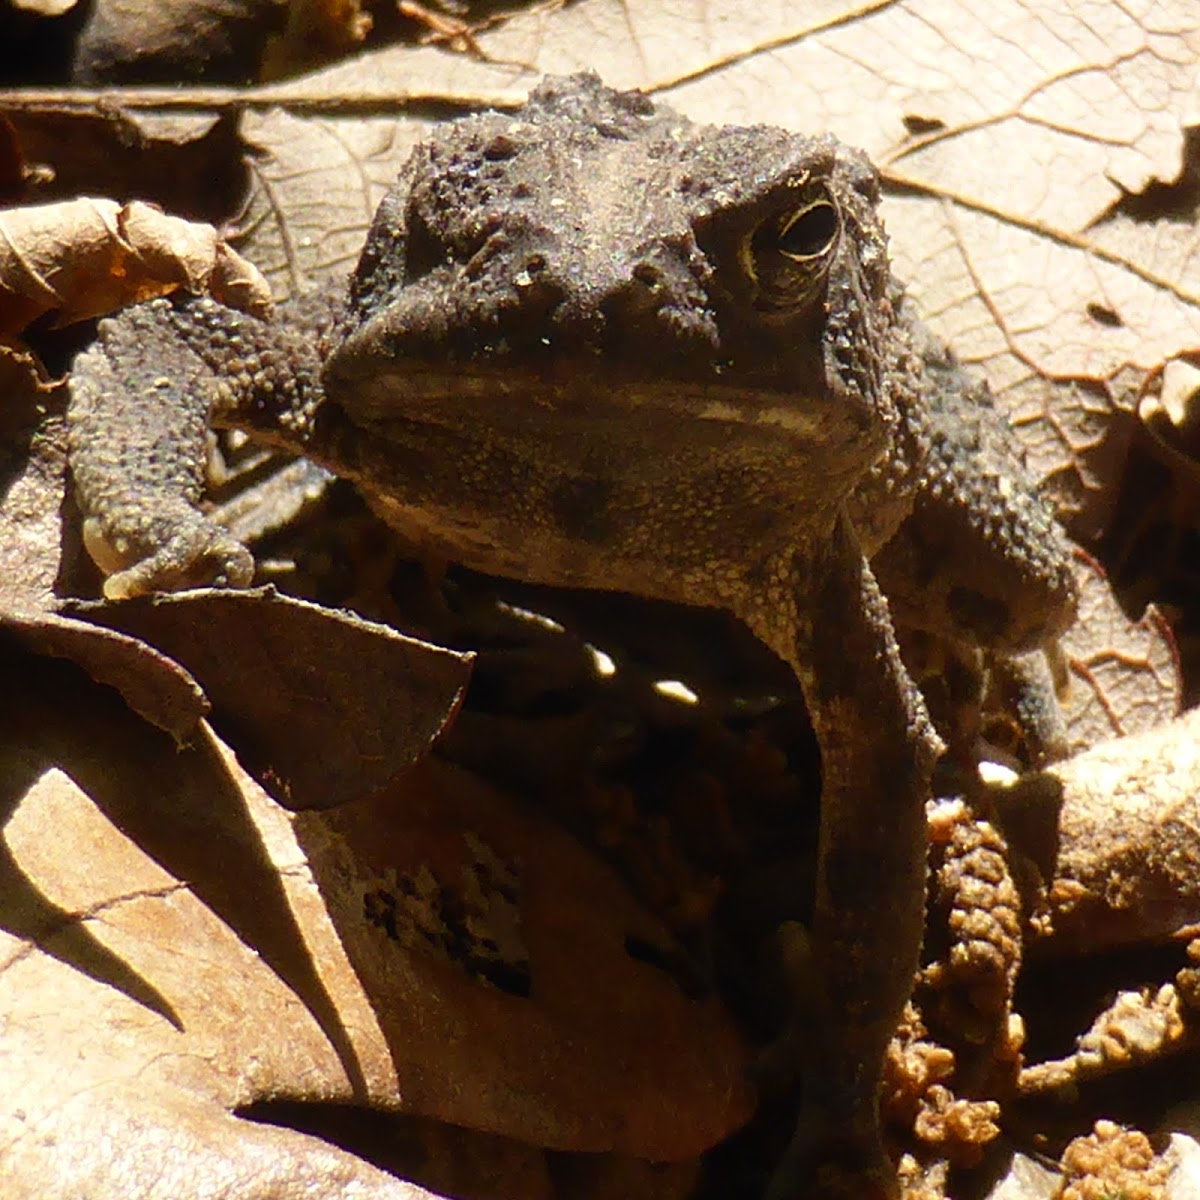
535,264
647,273
540,295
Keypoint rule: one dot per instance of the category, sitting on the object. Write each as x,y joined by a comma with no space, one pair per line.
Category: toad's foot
142,399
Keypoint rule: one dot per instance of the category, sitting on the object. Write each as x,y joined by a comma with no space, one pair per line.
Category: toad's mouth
645,442
797,404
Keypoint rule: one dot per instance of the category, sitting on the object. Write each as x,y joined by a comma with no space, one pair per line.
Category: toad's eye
808,232
788,254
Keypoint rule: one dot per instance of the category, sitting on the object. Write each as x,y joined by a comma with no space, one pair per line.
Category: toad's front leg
877,755
142,398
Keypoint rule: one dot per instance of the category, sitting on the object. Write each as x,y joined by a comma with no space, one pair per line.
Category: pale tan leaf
315,185
1021,301
1026,1179
658,45
1170,413
399,76
1118,829
85,257
138,1139
124,993
1077,435
1124,675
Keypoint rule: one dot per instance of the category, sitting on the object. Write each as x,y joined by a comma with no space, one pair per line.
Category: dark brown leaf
497,948
90,149
320,706
124,41
156,687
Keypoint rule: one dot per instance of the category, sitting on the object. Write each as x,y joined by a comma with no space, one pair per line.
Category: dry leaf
167,960
1029,1179
135,1017
140,815
496,947
92,149
164,41
315,185
320,706
1124,675
154,686
316,31
1184,1152
1171,414
1116,829
1026,1179
86,257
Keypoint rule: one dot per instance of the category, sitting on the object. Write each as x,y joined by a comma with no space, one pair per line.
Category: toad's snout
589,298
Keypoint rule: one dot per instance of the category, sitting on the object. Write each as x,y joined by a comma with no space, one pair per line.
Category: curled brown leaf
85,257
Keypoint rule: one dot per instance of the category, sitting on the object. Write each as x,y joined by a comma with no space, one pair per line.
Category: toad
597,345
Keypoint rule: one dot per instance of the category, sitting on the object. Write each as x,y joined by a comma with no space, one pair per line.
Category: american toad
595,344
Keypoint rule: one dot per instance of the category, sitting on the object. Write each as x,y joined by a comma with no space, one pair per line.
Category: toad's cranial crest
595,344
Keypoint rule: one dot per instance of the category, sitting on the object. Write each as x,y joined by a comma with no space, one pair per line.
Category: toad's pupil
808,232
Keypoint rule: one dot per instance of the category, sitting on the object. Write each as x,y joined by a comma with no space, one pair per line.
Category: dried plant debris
1112,1161
1094,854
967,990
1136,1028
944,1128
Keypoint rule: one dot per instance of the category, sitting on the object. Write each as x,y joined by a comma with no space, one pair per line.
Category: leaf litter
1007,209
